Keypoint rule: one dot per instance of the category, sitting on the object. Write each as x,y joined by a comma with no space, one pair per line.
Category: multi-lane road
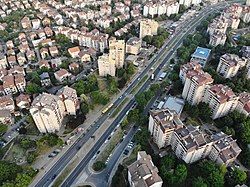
159,60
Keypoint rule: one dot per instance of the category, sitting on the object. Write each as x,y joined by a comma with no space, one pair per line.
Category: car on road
126,152
54,176
51,155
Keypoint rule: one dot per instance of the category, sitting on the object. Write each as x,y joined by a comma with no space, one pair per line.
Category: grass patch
193,121
118,109
139,84
65,173
16,154
111,145
133,156
102,84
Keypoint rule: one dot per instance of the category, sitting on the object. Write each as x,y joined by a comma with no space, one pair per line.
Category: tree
141,101
133,116
33,88
3,128
100,97
31,157
211,173
26,143
204,112
99,165
236,177
112,84
84,108
199,182
180,174
245,131
8,171
176,88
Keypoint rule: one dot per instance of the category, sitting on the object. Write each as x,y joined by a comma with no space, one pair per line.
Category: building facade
105,67
69,97
195,85
117,52
221,99
47,111
148,27
162,124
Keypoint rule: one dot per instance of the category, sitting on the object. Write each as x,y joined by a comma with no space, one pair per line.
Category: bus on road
107,108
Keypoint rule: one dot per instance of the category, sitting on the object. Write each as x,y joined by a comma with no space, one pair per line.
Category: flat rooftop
174,103
202,53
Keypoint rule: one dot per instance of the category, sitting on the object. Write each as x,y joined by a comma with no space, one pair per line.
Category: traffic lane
101,179
64,160
69,181
119,150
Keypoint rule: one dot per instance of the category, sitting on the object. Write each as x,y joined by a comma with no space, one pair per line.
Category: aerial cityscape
125,93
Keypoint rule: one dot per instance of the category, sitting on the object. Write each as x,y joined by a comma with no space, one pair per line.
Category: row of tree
157,40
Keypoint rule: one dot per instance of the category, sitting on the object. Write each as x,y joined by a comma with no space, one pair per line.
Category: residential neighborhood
125,93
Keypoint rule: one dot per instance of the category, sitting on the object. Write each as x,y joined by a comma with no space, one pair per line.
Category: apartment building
143,172
230,64
162,124
133,46
7,103
69,97
9,84
221,99
185,68
201,55
217,38
47,111
243,105
20,82
106,67
148,27
225,150
190,144
117,52
195,85
218,24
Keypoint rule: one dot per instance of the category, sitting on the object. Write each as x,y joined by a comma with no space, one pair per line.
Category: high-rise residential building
69,97
162,124
148,27
143,172
221,99
105,66
190,144
230,64
47,111
243,105
195,84
117,52
224,150
217,38
218,24
184,69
